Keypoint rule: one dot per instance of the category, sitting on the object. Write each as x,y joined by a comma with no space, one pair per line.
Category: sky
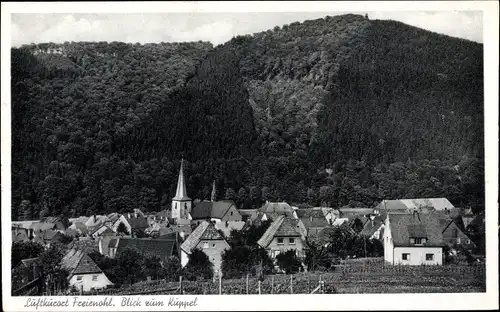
214,27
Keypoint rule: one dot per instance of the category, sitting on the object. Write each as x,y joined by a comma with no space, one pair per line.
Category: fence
345,279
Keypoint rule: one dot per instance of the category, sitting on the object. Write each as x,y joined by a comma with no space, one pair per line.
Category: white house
413,239
84,274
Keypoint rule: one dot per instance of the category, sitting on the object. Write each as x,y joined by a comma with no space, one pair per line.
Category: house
19,234
352,213
60,223
206,238
228,226
373,227
329,213
78,228
95,221
217,211
48,237
453,236
413,239
423,205
85,244
84,274
113,246
101,231
249,215
25,272
283,234
313,219
275,209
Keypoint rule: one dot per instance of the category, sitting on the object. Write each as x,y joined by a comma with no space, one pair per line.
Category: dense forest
336,111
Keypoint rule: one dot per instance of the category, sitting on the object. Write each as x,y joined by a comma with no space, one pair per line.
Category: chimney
310,218
129,215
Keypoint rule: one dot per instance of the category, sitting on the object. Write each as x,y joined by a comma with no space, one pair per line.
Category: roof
87,245
227,227
95,220
209,209
372,226
79,262
42,226
438,204
30,262
205,231
181,193
138,223
163,248
277,207
81,219
354,212
339,221
24,224
282,226
175,229
312,218
404,226
20,235
79,226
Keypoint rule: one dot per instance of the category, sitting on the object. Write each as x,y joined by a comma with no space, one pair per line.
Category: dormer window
418,240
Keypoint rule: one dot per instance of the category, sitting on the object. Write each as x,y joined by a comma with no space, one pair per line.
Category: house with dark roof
228,226
285,233
208,239
78,228
84,274
453,236
19,234
163,248
413,239
47,237
276,209
217,211
313,219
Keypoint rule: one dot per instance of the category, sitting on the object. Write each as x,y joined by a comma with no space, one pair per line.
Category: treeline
339,111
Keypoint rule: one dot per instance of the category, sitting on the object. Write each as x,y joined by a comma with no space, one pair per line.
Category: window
459,241
213,245
280,241
94,278
205,245
412,241
406,256
291,241
429,257
468,241
79,278
231,213
418,240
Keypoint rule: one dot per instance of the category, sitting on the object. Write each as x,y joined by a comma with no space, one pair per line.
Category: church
181,203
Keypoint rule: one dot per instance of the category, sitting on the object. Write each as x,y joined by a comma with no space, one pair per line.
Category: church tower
181,203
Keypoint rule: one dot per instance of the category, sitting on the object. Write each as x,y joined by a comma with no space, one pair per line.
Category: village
397,232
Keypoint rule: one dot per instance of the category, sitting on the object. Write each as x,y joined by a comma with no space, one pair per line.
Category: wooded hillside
341,111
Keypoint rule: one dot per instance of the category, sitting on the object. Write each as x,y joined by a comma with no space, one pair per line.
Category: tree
241,260
318,256
172,269
230,194
198,266
53,273
122,229
25,250
152,266
288,261
130,266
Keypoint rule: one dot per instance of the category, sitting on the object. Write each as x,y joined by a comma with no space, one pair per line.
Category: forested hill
341,111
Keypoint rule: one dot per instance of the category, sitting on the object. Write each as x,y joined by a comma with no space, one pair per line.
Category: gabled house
78,228
285,233
95,221
453,236
249,215
84,274
313,220
47,237
206,238
217,211
373,227
413,239
102,231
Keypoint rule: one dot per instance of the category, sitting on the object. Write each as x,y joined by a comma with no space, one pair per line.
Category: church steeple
181,203
181,193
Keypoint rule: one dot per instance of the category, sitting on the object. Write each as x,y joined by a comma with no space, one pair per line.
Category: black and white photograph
178,154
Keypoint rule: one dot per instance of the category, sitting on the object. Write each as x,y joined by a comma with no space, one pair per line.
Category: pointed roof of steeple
214,192
181,193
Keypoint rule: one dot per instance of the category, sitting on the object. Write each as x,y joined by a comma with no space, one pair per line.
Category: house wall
274,246
214,253
232,215
388,243
417,255
88,283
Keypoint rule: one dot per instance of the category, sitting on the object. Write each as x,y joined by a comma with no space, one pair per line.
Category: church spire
181,193
213,192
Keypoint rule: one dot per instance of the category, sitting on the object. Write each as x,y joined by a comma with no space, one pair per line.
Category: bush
199,266
288,262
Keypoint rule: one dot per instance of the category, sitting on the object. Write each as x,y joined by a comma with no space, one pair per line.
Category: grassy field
347,279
